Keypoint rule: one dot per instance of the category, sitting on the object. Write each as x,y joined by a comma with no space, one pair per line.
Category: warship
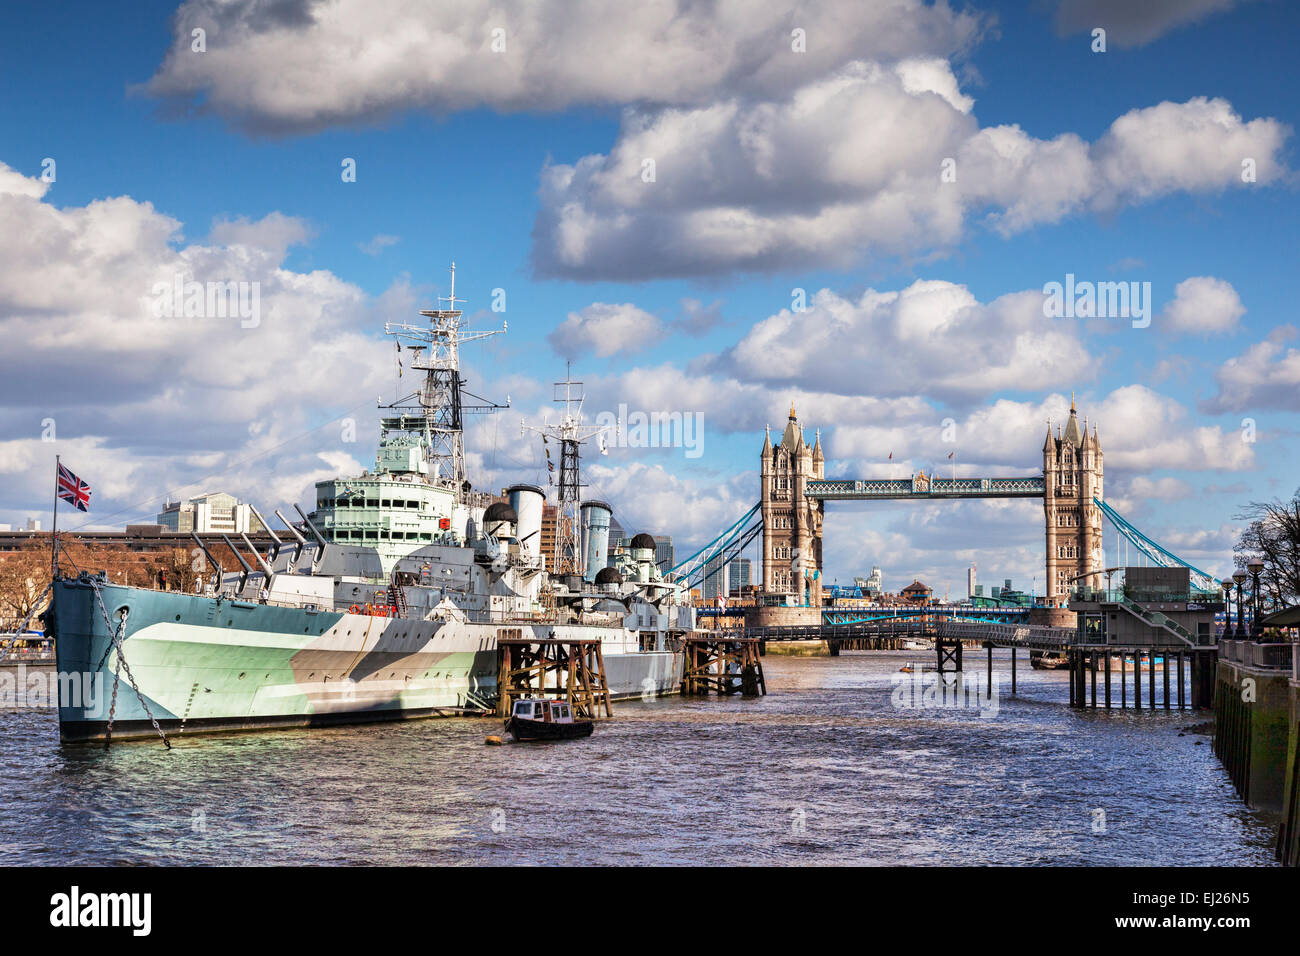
386,602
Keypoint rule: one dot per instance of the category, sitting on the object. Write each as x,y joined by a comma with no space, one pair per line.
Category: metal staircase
397,597
1156,619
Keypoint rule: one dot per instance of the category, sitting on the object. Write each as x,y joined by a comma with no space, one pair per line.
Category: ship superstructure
387,601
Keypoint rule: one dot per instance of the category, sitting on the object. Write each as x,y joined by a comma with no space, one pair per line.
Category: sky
713,209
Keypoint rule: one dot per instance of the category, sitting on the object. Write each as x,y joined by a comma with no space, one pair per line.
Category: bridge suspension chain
1156,553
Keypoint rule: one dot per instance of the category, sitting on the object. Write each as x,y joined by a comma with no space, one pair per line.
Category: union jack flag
73,490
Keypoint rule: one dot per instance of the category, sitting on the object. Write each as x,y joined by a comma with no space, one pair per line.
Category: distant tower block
1072,469
792,523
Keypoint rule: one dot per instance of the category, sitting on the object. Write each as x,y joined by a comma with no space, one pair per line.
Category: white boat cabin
550,711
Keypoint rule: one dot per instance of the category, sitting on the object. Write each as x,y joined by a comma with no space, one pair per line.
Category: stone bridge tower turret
792,523
1072,472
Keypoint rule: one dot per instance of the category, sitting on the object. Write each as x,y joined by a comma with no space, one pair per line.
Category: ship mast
435,411
570,433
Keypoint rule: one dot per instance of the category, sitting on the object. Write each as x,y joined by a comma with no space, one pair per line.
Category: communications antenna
435,411
570,432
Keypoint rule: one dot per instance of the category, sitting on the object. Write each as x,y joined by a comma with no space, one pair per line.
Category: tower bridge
790,517
795,491
794,604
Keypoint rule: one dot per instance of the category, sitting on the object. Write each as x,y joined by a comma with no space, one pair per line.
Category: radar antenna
570,432
435,411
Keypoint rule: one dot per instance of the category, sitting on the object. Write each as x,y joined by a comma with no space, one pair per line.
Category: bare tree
23,576
1273,537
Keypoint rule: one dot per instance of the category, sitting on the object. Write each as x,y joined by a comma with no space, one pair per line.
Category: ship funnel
595,536
526,501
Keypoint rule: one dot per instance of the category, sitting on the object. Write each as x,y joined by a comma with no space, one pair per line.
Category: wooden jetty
568,668
724,664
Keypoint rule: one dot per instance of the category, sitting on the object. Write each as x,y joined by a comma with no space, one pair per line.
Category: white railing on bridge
1011,635
920,486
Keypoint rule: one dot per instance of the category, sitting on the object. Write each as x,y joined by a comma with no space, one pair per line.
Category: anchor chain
121,666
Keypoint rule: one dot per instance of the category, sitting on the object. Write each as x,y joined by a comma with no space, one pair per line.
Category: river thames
823,770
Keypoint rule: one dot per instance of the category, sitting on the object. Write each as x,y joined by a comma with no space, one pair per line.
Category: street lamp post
1227,608
1255,567
1240,633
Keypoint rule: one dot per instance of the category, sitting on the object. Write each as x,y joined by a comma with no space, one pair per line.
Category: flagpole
54,532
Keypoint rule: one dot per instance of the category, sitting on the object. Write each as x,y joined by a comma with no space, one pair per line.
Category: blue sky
453,165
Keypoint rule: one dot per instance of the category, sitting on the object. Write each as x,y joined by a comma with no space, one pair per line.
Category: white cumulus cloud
1203,304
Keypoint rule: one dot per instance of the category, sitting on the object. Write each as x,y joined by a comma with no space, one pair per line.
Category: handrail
1156,619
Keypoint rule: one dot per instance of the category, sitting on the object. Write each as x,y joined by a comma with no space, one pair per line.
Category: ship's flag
891,456
950,454
73,490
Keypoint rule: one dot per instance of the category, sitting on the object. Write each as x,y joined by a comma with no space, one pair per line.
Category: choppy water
822,770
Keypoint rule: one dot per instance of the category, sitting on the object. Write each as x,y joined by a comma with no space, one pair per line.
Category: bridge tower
1072,472
792,523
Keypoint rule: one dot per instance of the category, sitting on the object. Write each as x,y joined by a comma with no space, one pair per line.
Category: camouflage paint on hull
205,664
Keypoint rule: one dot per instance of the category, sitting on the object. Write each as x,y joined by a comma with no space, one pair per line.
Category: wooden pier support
1137,680
1179,679
1175,681
571,669
1092,666
1151,680
725,665
948,650
1107,656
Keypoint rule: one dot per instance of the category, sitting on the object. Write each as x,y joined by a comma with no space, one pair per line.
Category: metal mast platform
570,432
435,411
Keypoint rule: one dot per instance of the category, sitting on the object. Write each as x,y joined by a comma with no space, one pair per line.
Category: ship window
385,503
372,535
372,502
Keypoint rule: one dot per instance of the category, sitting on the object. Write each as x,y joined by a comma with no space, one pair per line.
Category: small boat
1048,660
910,668
544,719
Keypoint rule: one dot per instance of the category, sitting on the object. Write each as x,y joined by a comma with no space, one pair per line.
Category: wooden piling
1166,679
724,665
1151,680
1013,671
573,669
1092,659
1074,687
1108,679
1181,702
1137,678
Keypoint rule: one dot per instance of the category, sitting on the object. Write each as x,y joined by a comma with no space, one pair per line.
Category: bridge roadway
924,486
1032,637
841,614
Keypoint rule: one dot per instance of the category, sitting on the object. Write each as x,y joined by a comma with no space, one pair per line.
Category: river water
824,770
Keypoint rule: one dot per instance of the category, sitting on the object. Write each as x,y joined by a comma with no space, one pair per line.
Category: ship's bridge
386,507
